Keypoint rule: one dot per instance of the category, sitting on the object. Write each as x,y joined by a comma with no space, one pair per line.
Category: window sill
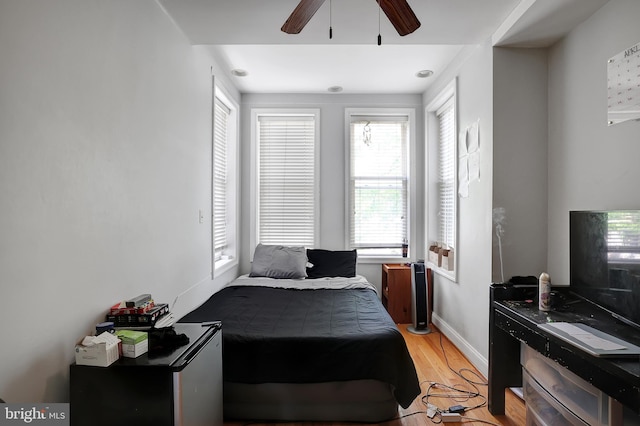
223,265
383,259
451,275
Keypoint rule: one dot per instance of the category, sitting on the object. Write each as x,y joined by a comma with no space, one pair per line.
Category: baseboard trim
199,292
199,283
467,350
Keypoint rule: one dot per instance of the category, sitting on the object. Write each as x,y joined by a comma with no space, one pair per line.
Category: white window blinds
446,174
379,179
221,117
286,180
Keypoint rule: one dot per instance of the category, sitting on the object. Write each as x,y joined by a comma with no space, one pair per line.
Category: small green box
131,337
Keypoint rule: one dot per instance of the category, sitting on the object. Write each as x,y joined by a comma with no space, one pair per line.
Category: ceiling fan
398,11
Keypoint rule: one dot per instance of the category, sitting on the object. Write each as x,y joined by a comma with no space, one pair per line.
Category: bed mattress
309,331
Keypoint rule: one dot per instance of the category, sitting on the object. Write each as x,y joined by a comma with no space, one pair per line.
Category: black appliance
419,300
181,386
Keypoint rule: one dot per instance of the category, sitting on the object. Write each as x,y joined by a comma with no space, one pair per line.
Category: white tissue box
101,354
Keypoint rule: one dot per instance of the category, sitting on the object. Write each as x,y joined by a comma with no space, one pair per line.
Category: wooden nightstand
396,292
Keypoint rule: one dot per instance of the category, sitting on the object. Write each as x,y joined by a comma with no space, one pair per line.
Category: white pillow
279,262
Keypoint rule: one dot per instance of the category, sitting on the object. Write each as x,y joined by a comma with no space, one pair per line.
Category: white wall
461,309
332,162
591,166
520,160
105,151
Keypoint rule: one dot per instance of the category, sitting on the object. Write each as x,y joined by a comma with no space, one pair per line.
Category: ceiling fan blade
401,15
301,15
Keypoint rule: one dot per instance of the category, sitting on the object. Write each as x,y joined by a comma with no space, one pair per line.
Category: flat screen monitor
604,260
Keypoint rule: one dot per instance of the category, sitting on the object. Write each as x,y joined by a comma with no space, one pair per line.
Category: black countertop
521,317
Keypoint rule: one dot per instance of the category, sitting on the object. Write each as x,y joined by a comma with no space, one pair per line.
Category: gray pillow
279,262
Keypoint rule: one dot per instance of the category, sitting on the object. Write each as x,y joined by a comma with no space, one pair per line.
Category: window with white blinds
286,206
220,178
224,182
378,184
446,174
441,197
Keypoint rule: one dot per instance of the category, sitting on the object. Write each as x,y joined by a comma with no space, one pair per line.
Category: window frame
410,113
256,113
432,160
230,257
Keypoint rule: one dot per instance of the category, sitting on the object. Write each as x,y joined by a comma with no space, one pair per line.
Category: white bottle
544,292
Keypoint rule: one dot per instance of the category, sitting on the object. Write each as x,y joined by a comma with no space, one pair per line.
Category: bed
314,348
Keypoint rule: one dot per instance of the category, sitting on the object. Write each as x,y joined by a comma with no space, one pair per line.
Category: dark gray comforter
275,335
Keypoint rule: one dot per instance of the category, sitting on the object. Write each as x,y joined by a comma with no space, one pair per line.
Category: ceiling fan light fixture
399,13
239,72
424,73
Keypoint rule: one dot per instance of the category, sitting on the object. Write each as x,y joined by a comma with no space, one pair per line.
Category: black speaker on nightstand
419,300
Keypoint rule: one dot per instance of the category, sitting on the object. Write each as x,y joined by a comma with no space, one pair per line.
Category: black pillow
331,263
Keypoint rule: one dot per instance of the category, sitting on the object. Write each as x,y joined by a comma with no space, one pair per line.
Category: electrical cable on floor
459,372
456,393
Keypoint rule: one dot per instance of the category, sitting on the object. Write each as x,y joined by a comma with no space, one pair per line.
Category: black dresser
180,387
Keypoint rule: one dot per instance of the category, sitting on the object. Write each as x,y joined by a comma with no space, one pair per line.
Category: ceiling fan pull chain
379,36
330,19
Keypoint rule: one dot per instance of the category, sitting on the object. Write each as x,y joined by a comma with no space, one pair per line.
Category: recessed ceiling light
335,89
424,73
239,73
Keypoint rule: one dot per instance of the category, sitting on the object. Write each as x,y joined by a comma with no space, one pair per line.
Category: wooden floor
431,365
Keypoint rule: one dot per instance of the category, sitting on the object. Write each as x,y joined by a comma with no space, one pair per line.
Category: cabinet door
397,288
198,387
108,396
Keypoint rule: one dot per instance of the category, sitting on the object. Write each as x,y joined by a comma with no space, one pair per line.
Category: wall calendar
623,75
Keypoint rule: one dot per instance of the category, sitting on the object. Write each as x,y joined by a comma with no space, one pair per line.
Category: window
224,181
446,174
442,179
286,182
379,181
221,118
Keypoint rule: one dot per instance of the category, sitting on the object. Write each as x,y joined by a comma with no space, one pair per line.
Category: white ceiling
245,34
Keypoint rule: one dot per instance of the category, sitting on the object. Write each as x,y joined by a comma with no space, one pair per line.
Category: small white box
447,261
135,350
435,258
100,354
134,343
